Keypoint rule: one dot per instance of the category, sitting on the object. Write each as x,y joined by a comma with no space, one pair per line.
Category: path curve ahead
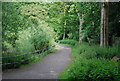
48,68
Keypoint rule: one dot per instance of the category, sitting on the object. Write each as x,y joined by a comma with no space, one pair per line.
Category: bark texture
80,26
64,30
64,23
104,25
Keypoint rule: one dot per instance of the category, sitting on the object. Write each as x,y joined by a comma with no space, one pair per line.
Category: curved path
48,68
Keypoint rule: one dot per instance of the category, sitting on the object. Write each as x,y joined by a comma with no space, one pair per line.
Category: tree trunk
80,26
64,30
104,25
64,23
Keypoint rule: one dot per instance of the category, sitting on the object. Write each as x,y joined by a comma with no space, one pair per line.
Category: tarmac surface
47,68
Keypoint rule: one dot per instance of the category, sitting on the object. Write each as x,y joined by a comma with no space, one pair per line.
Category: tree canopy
59,17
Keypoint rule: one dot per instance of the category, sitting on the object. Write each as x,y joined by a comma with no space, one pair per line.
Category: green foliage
23,60
93,69
12,22
95,51
33,26
68,41
90,62
24,31
59,14
91,20
68,13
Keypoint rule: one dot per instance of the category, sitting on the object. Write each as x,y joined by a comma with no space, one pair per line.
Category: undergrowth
92,63
36,58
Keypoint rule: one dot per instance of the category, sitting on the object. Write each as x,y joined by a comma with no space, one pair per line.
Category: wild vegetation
23,32
91,29
91,62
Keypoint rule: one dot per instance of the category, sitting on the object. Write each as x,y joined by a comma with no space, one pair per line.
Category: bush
67,41
94,69
92,63
29,58
31,39
95,51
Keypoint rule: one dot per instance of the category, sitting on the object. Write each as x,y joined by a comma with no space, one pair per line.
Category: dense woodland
91,29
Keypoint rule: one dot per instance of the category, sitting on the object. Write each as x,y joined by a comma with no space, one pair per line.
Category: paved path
48,68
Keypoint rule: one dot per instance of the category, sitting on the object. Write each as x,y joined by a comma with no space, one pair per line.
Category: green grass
91,62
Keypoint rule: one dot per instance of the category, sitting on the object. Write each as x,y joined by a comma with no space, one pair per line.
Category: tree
12,22
64,22
80,27
104,25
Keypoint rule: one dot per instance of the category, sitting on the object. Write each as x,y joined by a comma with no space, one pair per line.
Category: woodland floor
48,68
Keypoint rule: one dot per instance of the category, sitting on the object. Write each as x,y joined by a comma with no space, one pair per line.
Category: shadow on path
48,68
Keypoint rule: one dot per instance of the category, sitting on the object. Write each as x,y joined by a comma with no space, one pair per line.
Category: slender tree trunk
64,23
80,26
64,30
104,25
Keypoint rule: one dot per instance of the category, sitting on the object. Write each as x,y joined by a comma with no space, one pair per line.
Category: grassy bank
90,62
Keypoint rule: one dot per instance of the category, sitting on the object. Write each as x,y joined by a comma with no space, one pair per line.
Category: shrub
67,41
31,39
93,69
27,59
92,63
95,51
